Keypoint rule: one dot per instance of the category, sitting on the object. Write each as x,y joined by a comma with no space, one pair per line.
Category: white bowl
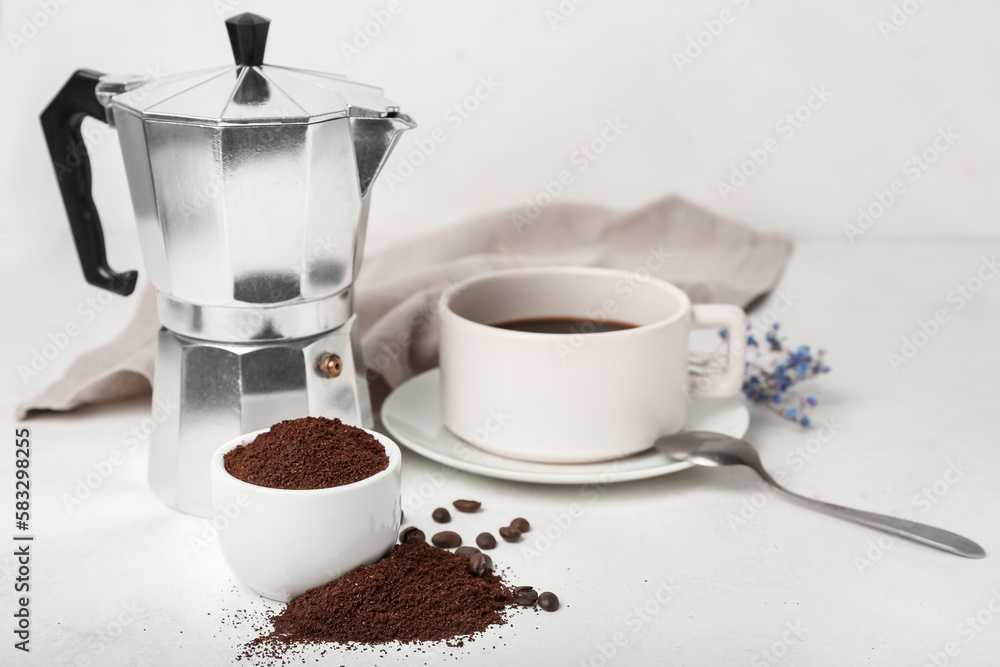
282,542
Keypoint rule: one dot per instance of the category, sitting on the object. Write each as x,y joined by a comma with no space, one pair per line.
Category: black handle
248,37
61,122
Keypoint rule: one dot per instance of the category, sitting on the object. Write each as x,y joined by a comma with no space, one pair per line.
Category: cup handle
728,381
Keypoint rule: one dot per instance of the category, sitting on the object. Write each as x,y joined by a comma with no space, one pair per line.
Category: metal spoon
716,449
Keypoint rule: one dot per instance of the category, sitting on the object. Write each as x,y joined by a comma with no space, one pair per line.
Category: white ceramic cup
575,397
282,542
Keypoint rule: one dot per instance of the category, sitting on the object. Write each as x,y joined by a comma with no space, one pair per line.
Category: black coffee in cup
563,325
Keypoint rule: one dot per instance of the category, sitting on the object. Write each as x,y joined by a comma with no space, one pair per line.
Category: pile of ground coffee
307,453
418,593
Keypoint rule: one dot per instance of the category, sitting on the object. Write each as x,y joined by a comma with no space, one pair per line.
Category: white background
559,82
902,432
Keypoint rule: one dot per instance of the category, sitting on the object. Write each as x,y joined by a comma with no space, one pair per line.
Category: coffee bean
486,541
412,534
548,601
525,595
441,515
521,524
467,505
447,539
510,534
468,552
480,564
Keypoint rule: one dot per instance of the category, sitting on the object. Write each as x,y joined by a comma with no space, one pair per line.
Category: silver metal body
209,391
716,449
250,186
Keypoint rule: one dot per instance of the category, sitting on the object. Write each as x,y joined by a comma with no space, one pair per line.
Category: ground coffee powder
418,593
307,453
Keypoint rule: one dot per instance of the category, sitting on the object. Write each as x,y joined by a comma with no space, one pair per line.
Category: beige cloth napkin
714,260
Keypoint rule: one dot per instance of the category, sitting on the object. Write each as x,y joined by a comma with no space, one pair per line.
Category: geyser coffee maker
250,185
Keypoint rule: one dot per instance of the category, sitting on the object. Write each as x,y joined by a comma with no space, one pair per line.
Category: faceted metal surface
249,216
250,187
217,392
259,94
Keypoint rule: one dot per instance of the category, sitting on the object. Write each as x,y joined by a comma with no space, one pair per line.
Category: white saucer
412,415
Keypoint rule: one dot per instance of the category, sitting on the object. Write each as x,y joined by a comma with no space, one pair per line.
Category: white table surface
117,582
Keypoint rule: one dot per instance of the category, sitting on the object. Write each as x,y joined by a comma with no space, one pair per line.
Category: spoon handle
918,532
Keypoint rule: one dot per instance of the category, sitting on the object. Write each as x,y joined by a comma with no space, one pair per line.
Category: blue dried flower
773,371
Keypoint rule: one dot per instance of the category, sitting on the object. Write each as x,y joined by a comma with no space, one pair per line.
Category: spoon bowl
708,449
